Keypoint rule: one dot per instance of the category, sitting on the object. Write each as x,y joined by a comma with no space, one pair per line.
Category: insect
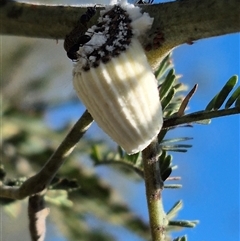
77,37
115,81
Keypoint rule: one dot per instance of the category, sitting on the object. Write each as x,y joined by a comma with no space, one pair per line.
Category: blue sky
210,170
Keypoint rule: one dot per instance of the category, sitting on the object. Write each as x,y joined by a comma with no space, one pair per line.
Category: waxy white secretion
114,80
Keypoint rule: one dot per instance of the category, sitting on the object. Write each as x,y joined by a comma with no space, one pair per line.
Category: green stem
154,187
199,116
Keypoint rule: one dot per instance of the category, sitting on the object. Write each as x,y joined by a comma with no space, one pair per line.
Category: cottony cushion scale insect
113,79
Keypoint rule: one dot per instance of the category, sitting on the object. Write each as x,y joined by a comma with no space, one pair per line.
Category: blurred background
36,81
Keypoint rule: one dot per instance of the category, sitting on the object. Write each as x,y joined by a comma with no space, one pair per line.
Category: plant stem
177,22
154,187
199,116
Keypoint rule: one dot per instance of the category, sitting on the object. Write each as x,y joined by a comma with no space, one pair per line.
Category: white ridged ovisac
123,98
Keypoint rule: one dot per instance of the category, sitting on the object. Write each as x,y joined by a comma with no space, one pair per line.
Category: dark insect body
85,18
115,25
77,37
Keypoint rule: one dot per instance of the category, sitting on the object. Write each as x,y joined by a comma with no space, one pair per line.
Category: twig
154,187
199,116
37,213
42,179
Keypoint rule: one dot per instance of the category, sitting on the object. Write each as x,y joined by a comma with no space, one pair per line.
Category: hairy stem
154,187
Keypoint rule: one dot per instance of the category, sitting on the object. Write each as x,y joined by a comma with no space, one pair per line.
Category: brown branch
42,179
40,21
175,22
186,21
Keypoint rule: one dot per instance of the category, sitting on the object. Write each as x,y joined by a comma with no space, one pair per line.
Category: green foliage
220,97
184,238
169,87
